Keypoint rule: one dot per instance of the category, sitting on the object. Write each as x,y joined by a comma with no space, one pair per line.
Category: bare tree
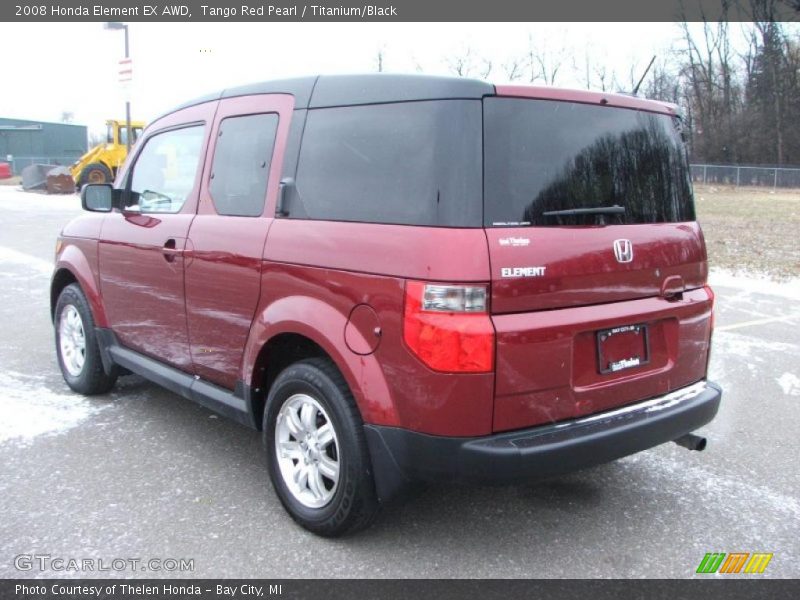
584,72
380,56
467,64
545,60
461,64
513,68
486,68
663,82
770,61
713,91
67,116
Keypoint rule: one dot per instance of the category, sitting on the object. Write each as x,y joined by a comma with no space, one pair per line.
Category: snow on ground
37,266
733,351
708,482
15,199
738,344
755,282
29,409
790,384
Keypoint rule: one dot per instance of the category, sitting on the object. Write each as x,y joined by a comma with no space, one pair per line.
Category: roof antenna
638,85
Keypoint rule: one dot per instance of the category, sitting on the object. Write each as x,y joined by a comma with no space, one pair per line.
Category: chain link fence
774,177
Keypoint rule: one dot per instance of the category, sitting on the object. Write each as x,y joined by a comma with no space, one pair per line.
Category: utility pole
128,133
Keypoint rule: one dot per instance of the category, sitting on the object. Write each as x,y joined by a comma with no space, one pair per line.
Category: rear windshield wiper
597,210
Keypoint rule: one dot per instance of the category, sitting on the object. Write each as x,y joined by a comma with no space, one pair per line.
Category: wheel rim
96,176
72,340
308,451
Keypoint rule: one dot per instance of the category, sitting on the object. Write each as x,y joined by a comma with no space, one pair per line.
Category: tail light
711,297
711,326
448,327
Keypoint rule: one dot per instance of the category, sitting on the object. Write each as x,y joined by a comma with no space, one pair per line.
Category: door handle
170,250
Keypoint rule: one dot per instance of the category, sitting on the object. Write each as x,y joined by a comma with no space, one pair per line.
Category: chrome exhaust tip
692,442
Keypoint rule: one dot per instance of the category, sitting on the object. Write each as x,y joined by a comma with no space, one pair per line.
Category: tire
76,345
95,173
345,504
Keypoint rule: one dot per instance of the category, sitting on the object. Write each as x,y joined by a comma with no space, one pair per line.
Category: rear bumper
400,456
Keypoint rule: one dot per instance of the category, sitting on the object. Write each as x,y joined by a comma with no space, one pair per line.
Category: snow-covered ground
32,403
13,198
34,265
755,282
29,408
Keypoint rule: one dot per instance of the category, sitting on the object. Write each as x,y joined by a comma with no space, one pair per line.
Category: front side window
409,163
546,158
165,170
242,158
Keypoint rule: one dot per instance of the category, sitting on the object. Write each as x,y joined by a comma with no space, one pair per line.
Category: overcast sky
50,68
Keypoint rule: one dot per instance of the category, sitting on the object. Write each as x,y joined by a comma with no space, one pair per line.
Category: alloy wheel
307,449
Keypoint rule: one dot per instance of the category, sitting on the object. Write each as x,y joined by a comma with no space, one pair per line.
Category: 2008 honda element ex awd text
401,278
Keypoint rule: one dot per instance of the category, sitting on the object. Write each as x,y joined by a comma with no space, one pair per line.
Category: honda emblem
623,250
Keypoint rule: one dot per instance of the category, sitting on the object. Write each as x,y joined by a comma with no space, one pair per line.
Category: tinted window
241,164
416,163
165,170
546,155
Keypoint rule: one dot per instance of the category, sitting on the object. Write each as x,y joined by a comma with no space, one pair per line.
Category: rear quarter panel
368,264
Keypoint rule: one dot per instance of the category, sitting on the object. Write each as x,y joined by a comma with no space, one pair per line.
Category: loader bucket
34,177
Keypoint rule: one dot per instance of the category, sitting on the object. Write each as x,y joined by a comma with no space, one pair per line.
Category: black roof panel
300,88
343,90
192,102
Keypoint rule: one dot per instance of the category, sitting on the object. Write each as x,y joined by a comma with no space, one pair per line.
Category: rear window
241,164
544,155
410,163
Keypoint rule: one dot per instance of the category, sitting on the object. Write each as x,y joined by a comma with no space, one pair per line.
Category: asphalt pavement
143,474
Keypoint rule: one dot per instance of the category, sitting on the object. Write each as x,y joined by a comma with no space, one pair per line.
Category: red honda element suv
401,278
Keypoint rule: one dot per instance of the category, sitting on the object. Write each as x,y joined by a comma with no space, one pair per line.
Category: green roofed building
24,142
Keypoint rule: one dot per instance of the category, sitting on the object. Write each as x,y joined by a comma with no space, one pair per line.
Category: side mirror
98,197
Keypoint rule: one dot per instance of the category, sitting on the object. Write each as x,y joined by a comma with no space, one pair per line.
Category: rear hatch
598,264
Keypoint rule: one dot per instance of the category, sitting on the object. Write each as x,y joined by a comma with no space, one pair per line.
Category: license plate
621,348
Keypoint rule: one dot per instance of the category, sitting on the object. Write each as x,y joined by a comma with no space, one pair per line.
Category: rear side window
412,163
547,156
240,169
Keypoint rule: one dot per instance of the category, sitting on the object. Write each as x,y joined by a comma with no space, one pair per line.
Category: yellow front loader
100,164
